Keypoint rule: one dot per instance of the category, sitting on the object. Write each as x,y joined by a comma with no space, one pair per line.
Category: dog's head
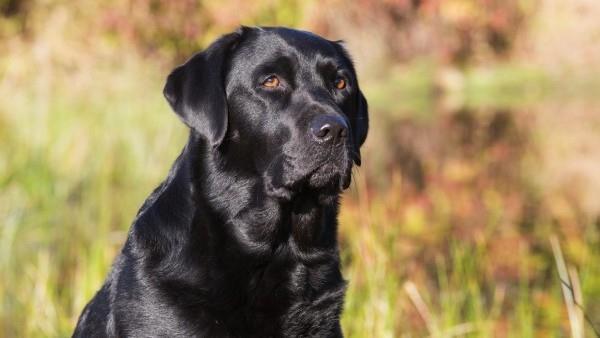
277,103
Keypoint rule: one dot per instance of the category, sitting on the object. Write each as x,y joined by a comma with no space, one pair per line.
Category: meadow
475,212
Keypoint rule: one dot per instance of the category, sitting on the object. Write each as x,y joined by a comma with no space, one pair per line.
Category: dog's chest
275,287
292,299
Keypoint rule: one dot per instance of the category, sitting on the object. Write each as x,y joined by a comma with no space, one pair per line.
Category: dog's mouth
331,176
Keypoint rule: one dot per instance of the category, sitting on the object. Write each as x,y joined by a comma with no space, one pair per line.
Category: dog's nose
329,128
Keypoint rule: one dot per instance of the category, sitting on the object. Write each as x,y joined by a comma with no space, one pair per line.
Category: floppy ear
360,126
195,90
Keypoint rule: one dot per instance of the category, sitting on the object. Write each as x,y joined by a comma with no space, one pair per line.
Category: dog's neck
236,253
260,224
227,214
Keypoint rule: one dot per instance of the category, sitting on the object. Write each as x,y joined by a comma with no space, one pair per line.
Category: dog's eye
340,83
271,82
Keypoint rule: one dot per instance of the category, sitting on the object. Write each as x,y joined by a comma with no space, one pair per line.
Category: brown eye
271,82
340,83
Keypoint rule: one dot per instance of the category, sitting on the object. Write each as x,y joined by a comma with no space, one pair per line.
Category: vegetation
476,158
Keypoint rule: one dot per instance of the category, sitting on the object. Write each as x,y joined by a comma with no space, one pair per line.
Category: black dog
240,239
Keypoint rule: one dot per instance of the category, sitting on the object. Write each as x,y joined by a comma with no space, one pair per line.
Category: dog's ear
195,90
360,125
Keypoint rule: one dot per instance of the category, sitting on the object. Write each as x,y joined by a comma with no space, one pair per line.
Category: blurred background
480,184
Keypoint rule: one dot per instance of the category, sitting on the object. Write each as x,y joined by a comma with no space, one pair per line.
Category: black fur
240,239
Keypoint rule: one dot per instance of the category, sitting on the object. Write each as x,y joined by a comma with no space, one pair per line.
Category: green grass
78,156
73,174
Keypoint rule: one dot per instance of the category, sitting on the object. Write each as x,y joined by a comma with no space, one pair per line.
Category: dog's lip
346,178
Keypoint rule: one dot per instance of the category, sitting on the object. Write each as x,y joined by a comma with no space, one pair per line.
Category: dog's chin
328,179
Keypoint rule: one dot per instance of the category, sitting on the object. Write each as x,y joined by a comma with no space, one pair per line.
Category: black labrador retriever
240,239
